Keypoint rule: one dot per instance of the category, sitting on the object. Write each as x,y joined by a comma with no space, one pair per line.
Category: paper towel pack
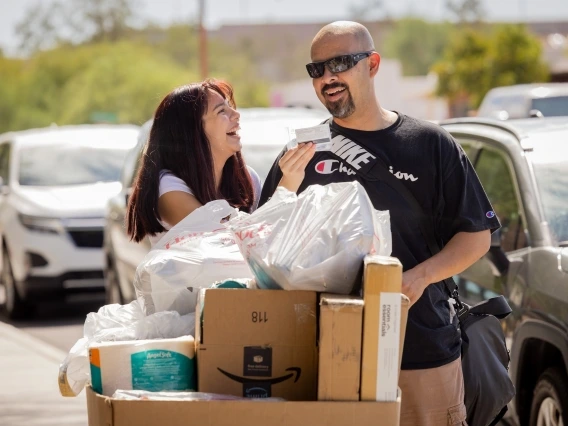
152,365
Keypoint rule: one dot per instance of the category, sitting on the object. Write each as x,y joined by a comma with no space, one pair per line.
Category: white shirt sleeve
256,186
170,182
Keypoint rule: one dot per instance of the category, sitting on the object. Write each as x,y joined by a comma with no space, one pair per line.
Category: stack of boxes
338,365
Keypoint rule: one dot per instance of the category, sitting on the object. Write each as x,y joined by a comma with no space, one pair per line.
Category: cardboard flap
99,408
237,317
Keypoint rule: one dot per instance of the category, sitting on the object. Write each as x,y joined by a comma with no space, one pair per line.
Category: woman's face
221,124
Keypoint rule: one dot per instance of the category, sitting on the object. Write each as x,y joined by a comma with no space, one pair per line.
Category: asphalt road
59,324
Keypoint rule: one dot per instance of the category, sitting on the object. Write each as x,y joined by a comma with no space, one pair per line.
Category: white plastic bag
194,254
117,323
315,241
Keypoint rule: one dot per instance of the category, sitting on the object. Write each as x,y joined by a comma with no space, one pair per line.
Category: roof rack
497,124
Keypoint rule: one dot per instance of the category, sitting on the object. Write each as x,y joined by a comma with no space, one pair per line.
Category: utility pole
522,11
202,42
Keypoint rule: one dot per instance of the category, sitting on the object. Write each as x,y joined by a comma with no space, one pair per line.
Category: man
435,169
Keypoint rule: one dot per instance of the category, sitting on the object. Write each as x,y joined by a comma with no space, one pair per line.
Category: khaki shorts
433,397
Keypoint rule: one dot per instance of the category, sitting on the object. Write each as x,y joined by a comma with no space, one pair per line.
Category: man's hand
462,251
414,283
293,165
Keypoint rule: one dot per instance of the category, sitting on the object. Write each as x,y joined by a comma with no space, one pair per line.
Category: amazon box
257,343
383,328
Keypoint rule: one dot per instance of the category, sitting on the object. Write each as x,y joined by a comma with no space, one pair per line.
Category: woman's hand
293,165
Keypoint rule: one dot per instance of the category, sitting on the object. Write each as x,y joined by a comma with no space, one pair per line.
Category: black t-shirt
437,172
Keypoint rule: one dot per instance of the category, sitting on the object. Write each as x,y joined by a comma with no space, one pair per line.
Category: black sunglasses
336,65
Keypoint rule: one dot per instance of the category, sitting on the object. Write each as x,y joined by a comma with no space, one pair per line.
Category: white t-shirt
169,182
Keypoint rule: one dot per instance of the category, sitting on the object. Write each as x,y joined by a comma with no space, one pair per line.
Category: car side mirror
535,113
496,255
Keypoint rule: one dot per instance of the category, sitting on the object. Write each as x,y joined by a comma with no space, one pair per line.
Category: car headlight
41,224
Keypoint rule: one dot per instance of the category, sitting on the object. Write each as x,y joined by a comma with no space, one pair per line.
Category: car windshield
555,106
68,164
550,161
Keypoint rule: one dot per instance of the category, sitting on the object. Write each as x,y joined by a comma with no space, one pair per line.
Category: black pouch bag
485,358
485,361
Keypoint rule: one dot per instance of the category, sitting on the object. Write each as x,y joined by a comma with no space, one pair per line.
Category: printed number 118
259,317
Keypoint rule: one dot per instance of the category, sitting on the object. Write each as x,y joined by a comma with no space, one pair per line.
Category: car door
127,254
497,271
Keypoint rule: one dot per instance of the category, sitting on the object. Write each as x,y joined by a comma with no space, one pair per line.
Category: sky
219,12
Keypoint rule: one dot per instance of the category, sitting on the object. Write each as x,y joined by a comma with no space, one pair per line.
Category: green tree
466,10
417,44
47,25
67,85
475,62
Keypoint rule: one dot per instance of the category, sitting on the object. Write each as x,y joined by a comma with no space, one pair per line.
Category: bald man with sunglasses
435,170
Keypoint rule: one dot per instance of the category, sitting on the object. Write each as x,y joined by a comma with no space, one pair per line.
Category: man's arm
462,251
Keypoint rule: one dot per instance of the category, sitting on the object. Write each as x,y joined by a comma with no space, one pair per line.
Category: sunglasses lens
340,63
315,70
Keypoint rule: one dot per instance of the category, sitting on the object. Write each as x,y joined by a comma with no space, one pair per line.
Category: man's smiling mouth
334,91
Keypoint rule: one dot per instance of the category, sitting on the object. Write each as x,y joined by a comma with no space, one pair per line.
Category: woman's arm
174,206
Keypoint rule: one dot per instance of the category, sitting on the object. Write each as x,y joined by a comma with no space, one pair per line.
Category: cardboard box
382,323
340,346
340,337
257,343
105,411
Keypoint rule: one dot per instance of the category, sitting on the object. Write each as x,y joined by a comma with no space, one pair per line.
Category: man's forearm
462,251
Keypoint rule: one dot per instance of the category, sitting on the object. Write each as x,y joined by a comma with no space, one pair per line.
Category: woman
193,157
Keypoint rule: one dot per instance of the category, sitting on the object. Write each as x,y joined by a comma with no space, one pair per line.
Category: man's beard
342,108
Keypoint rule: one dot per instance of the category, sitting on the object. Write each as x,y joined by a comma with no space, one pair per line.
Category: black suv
523,166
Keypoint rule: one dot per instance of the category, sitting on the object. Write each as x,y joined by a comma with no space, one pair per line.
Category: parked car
523,166
264,132
525,100
54,186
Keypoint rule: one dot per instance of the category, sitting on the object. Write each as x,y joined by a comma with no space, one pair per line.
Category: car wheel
113,293
14,305
550,401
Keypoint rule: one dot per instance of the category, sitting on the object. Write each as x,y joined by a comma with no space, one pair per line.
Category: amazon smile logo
262,388
295,371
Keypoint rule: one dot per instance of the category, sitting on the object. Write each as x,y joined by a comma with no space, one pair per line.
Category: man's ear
374,62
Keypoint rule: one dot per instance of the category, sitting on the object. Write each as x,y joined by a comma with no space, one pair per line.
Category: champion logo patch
490,214
326,167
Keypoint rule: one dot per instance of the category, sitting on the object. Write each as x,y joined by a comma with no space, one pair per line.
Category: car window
554,106
132,162
496,178
471,148
5,150
69,164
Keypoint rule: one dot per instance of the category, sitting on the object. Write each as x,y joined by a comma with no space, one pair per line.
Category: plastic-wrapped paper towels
151,365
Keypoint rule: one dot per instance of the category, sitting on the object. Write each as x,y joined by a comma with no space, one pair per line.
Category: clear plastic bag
117,323
315,241
194,254
134,395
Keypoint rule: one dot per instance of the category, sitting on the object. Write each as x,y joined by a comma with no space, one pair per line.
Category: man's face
340,93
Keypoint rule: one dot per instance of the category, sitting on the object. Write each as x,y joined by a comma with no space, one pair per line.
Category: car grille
87,238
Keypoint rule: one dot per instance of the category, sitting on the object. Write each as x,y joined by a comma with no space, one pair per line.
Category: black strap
380,172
